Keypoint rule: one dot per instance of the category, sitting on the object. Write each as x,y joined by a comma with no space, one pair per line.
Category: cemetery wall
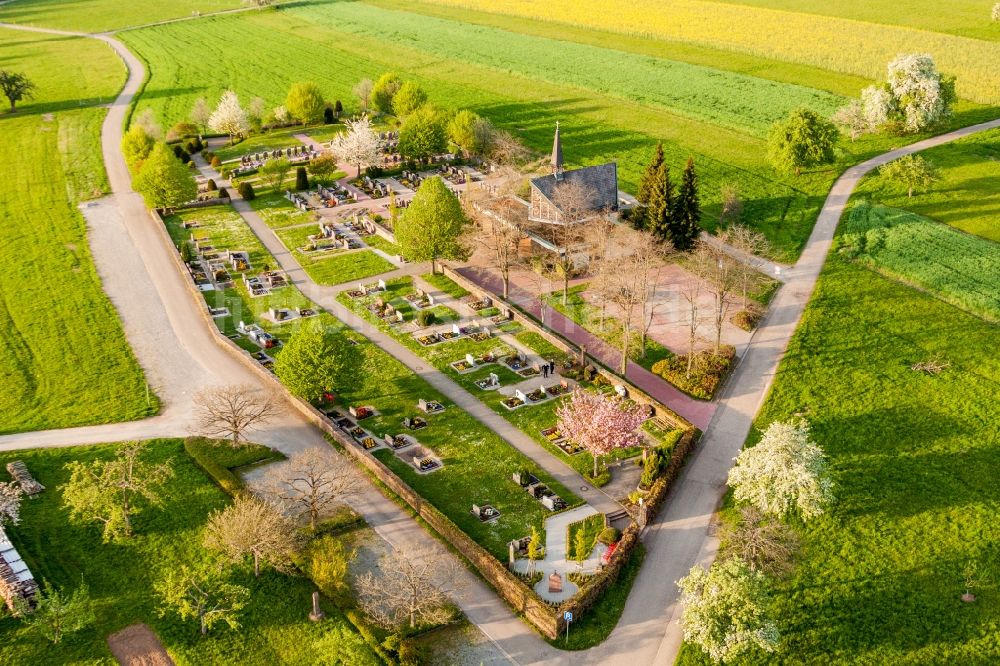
662,411
522,598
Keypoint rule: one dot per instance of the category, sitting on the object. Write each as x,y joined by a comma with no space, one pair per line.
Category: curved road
180,355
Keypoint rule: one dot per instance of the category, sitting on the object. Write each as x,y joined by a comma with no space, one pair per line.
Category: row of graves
474,331
403,444
210,267
16,579
376,188
300,202
334,195
541,394
532,485
250,163
331,237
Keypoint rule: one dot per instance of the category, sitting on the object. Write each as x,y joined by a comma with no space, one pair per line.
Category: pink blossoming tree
600,424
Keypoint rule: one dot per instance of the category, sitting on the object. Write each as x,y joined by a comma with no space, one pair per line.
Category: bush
650,470
246,191
181,130
374,171
609,535
211,186
425,318
328,116
223,194
216,162
187,252
208,155
707,371
747,319
181,154
301,179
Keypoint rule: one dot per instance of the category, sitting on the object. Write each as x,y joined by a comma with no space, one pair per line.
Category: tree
200,114
690,291
314,361
323,166
765,544
600,424
359,145
431,227
720,275
301,179
280,113
685,222
423,133
506,150
802,140
496,229
726,610
252,527
752,244
470,133
408,99
327,561
363,91
732,204
784,472
852,119
575,203
136,146
10,503
229,117
275,171
305,102
913,172
412,588
581,546
535,549
658,213
201,593
147,121
106,491
232,411
915,95
56,613
384,91
338,109
312,482
649,184
163,180
15,87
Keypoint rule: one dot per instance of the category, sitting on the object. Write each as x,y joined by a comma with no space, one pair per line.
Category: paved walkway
698,412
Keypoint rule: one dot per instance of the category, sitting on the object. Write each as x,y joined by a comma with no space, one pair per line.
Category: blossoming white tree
915,94
726,610
600,424
359,145
229,117
785,471
10,503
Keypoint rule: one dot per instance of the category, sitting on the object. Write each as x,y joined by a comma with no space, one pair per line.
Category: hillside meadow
66,360
103,15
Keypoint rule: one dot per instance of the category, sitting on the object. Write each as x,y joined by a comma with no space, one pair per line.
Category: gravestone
519,394
555,583
494,379
470,360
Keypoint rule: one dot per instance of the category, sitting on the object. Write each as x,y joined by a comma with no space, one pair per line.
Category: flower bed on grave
512,403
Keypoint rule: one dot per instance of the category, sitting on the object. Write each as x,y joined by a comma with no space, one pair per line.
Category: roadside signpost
568,616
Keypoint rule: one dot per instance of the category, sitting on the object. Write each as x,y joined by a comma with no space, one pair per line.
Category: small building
15,577
600,182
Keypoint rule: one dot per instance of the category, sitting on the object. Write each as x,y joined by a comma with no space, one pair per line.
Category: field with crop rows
66,361
957,267
837,44
101,15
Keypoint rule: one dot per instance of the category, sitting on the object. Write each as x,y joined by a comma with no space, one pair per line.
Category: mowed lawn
914,459
66,361
101,15
121,576
967,196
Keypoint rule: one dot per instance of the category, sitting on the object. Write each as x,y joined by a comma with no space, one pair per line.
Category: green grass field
956,267
66,360
344,267
966,197
102,15
121,576
913,457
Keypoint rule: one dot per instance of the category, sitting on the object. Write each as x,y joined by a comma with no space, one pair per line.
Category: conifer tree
685,225
647,185
660,208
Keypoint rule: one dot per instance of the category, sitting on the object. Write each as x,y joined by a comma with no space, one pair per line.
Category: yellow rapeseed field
837,44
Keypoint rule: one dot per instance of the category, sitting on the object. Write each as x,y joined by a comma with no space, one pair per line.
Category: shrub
328,116
187,252
650,470
246,191
211,186
747,319
425,317
208,155
181,130
707,371
223,194
609,535
200,452
374,171
181,154
216,162
190,147
301,179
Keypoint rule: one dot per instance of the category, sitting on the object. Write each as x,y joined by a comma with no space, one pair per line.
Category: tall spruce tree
685,223
647,185
660,208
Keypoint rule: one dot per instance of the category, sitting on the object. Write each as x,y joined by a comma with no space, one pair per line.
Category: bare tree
251,526
413,587
720,275
506,150
767,545
752,244
690,291
363,91
575,202
498,225
232,411
311,482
